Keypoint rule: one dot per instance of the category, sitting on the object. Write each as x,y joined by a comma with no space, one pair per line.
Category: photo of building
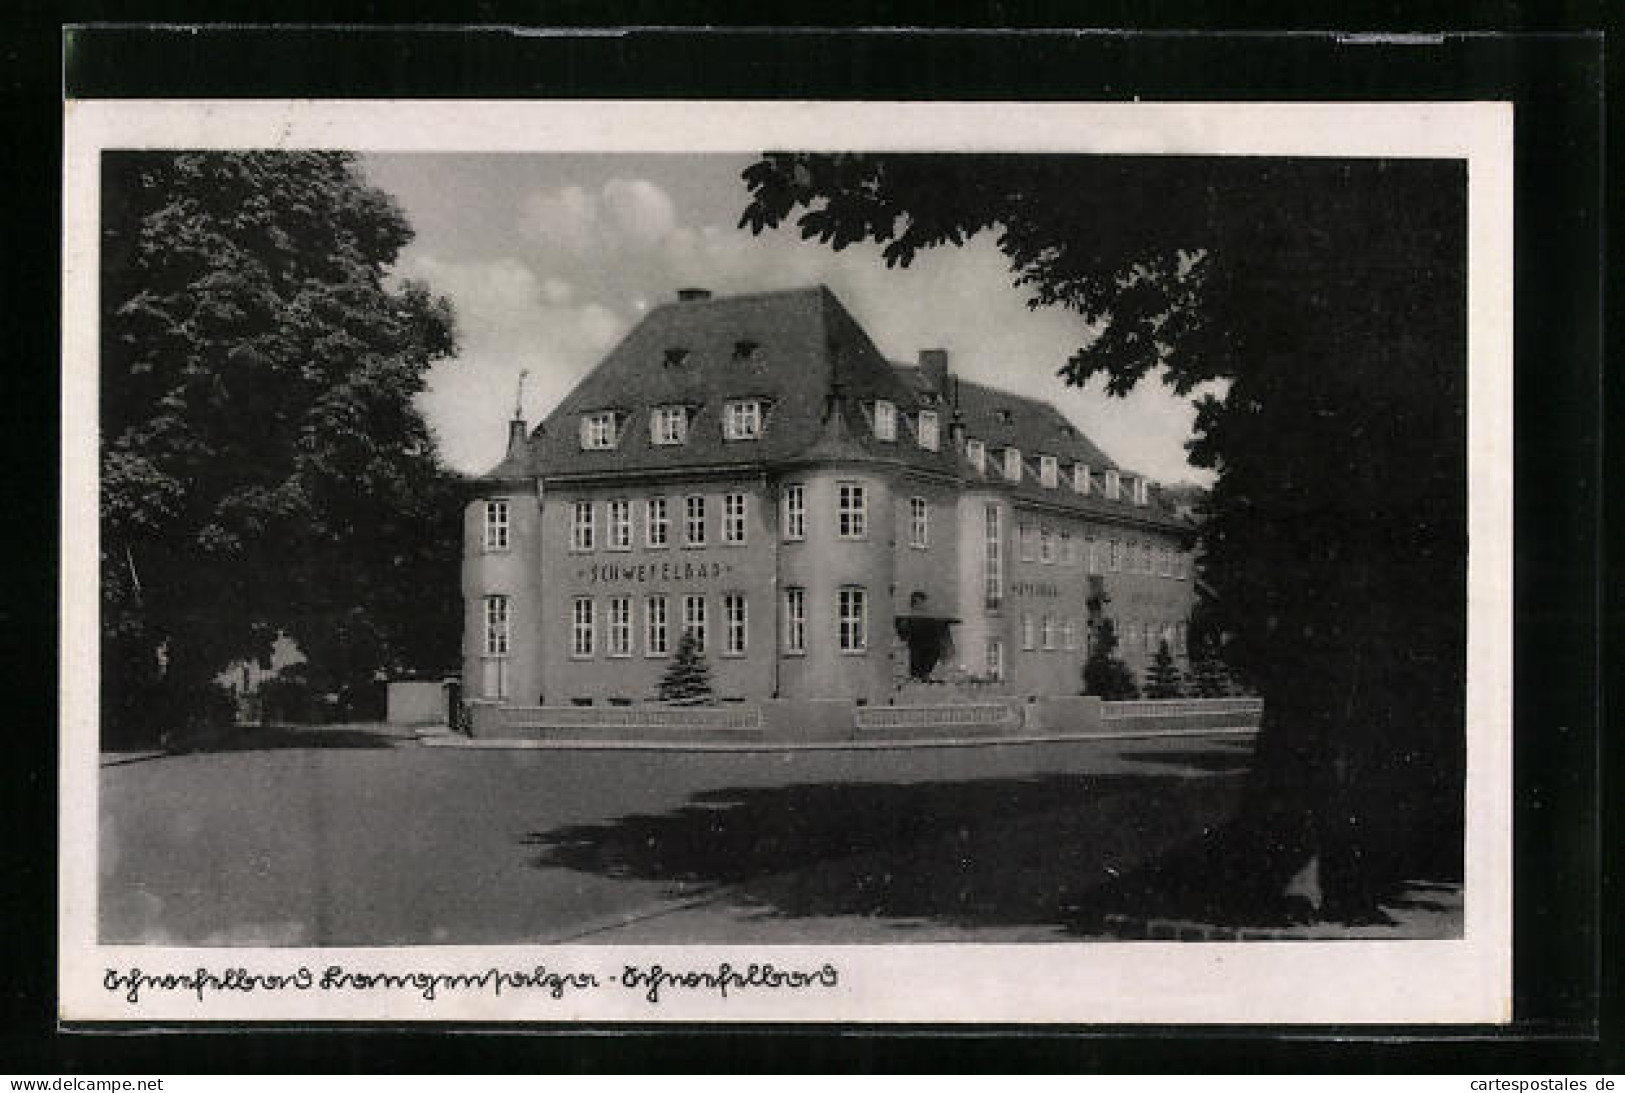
825,522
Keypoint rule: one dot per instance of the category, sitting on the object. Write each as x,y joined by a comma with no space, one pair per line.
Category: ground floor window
795,620
694,620
734,615
853,613
654,630
995,658
581,627
620,626
1069,634
1049,631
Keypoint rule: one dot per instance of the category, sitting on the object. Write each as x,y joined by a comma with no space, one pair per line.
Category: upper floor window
694,520
742,419
993,569
598,430
1049,470
1046,546
795,620
657,522
1182,567
1116,555
581,526
1082,480
1114,484
976,452
793,511
496,525
1012,464
1069,634
1091,551
852,514
668,425
733,518
1029,542
928,430
885,420
919,523
620,523
1069,553
1165,562
1029,632
1049,631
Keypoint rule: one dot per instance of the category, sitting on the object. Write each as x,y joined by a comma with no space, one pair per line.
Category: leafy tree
1162,678
687,681
264,467
1317,310
1104,673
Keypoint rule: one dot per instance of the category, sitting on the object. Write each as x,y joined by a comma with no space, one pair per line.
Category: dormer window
1012,464
885,420
928,430
742,419
599,430
1049,471
976,452
1082,481
675,356
1114,484
668,425
1142,490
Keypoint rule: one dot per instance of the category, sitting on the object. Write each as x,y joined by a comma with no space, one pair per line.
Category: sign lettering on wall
648,572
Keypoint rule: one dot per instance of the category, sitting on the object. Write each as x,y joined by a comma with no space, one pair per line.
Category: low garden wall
836,721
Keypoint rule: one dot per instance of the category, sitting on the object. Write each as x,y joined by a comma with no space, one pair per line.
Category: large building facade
826,523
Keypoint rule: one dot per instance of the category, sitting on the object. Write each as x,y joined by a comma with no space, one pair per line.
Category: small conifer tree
687,681
1208,676
1104,673
1162,679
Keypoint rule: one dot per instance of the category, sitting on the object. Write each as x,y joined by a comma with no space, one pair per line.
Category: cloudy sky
550,259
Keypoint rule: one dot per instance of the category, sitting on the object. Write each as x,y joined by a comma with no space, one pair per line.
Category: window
1029,631
1182,567
793,511
1142,490
995,659
1012,464
742,419
581,530
1151,638
1082,481
1092,550
1029,542
929,435
885,420
733,615
1049,631
694,521
496,525
1069,555
1165,562
668,425
1049,471
1116,555
919,523
657,522
598,430
733,518
853,513
1069,634
1046,546
654,627
993,566
853,613
620,626
694,620
1179,638
581,627
976,452
496,626
1114,484
795,620
495,665
620,524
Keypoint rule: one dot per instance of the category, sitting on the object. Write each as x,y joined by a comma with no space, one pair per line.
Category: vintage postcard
578,561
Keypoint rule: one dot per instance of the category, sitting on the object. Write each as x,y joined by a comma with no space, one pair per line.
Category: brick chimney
516,437
934,367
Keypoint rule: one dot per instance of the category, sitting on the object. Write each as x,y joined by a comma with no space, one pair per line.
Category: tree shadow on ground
1004,852
1239,758
296,737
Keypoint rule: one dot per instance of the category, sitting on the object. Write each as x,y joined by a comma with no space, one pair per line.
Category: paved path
356,836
